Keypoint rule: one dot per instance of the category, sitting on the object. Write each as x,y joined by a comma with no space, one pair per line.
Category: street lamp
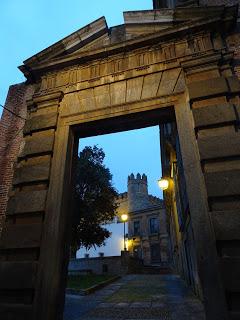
163,183
124,218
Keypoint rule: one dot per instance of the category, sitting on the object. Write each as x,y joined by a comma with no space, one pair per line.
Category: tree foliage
94,199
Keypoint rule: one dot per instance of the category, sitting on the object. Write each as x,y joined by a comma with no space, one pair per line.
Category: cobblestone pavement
149,297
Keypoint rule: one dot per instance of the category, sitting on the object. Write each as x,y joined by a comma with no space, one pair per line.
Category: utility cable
17,132
5,148
13,113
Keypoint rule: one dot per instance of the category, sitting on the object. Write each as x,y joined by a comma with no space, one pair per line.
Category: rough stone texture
147,297
11,139
100,265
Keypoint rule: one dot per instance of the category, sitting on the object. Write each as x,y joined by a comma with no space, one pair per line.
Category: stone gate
161,65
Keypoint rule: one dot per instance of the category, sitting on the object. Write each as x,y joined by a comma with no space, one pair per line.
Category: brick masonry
11,139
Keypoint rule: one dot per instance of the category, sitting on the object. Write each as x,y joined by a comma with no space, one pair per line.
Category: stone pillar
22,236
214,105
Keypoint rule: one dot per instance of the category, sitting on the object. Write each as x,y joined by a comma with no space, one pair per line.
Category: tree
94,200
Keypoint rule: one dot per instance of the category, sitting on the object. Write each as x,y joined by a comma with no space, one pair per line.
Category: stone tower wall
138,193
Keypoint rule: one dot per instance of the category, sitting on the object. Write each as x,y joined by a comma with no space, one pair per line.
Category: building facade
181,239
147,230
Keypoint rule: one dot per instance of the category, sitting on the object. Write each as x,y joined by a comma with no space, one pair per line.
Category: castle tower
138,198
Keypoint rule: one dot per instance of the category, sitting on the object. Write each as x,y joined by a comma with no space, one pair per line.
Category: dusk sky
28,27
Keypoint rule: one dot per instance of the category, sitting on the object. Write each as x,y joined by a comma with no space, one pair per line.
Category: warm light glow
121,244
163,183
124,217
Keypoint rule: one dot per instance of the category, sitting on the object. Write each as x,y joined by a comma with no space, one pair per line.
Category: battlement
138,179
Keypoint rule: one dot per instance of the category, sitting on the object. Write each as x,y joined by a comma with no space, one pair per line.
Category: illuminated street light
163,183
124,218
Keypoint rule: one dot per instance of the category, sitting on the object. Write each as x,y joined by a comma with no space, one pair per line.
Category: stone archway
90,83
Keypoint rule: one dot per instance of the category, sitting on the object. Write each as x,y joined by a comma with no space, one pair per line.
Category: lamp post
124,218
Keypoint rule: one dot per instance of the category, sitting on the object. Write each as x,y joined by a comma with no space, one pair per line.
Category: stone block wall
100,265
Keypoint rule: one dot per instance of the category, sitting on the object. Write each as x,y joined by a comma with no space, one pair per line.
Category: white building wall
113,245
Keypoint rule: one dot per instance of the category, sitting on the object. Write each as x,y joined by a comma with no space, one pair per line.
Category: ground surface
86,281
149,297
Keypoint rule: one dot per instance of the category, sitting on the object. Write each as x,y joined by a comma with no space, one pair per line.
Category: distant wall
101,265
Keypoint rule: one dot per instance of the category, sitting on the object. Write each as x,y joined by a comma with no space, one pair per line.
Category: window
153,224
136,228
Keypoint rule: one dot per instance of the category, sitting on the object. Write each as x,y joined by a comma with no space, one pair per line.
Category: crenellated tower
138,198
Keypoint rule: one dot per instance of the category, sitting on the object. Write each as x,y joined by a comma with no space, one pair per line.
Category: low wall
99,265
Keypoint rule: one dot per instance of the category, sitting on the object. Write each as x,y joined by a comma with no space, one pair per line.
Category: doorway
152,249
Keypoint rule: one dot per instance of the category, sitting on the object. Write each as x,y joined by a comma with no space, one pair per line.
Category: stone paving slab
129,313
164,297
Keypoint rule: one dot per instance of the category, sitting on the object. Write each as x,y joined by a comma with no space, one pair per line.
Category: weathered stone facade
160,66
147,229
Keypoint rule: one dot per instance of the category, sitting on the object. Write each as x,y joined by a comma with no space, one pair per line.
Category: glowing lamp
124,217
163,183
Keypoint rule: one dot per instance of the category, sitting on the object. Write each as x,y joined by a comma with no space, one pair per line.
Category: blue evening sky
29,26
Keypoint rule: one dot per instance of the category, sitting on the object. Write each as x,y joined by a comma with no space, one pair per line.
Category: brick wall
11,139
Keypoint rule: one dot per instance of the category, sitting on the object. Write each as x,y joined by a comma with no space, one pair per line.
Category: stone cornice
71,42
219,23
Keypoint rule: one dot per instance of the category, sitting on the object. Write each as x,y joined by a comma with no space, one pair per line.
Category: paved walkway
149,297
